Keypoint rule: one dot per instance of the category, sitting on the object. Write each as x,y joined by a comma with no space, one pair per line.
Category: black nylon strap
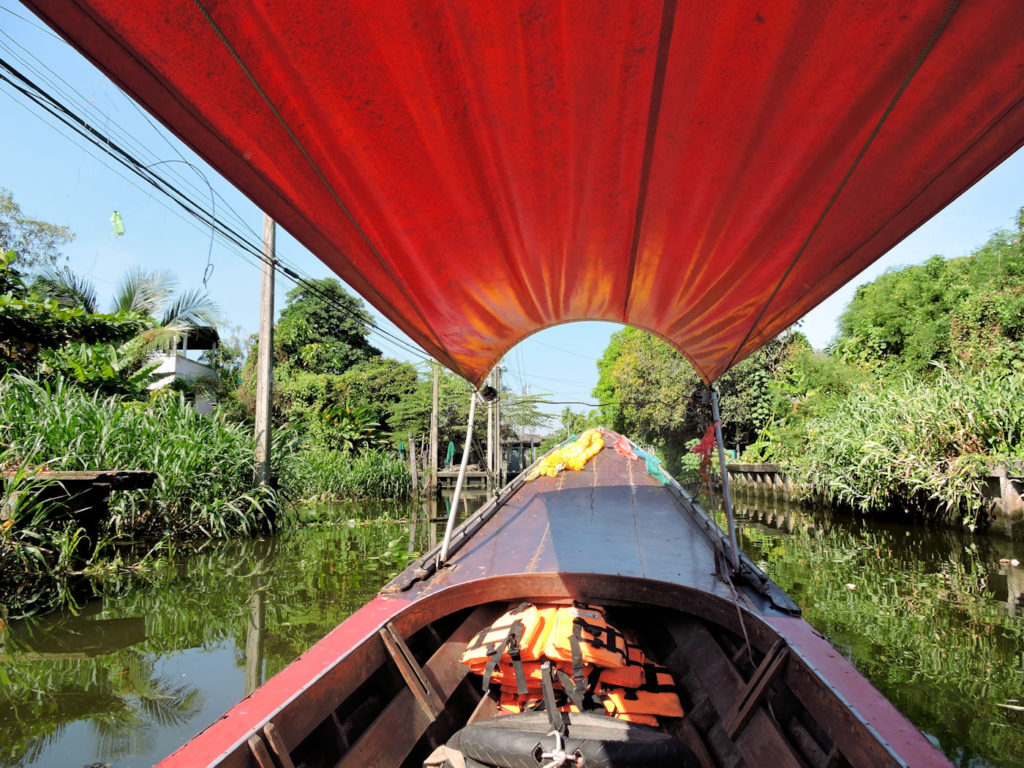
577,653
517,667
550,705
511,641
651,684
603,637
574,691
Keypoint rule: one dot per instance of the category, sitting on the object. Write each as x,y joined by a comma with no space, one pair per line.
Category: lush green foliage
969,310
649,390
153,295
33,323
205,482
323,329
921,395
318,475
335,410
101,368
924,447
37,243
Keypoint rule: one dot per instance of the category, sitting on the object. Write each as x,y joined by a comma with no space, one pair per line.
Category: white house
175,365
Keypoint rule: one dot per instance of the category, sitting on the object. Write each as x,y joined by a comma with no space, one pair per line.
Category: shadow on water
158,656
933,618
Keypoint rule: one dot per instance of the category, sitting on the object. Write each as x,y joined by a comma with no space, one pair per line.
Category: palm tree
150,294
153,294
66,288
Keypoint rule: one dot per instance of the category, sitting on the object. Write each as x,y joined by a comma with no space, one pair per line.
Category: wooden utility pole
490,432
254,636
265,356
432,483
498,474
412,467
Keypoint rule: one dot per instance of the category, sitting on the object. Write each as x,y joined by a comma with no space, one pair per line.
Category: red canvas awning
479,171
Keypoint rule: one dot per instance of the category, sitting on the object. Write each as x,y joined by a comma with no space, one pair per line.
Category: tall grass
323,475
204,465
921,446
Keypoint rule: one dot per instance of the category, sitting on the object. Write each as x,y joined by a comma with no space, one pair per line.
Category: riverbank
1002,508
162,653
202,487
928,447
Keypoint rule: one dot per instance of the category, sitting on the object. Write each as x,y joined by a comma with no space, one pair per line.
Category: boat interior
744,705
389,689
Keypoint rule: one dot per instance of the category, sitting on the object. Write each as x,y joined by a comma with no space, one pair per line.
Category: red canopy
481,170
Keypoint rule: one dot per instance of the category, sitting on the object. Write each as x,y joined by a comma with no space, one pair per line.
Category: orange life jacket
528,624
510,703
575,639
629,676
582,630
634,717
657,696
504,675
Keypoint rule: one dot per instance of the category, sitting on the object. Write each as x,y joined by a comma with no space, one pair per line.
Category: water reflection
933,620
931,617
158,656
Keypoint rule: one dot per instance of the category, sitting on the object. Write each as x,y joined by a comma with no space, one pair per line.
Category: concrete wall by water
1003,488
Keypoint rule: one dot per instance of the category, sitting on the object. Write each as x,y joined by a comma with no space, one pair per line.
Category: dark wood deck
611,518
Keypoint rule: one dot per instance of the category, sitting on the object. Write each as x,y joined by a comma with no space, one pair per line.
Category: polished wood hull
759,685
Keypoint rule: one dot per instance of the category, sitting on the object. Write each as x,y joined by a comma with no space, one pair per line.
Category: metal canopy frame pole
726,496
458,483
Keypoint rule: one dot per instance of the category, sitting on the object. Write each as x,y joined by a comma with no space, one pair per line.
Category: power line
564,351
32,22
45,100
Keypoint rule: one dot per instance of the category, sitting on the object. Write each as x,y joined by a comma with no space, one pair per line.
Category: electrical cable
46,101
564,351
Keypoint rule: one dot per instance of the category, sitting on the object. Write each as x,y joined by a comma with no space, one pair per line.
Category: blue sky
55,178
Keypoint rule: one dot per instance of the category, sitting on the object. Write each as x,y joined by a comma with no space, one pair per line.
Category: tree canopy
968,309
323,329
647,388
36,243
33,324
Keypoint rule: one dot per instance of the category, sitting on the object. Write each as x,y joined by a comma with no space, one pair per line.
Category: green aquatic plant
324,475
924,447
204,465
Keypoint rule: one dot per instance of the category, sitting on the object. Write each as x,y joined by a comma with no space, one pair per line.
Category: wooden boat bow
760,686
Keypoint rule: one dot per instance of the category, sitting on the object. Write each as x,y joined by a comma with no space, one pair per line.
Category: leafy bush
205,482
921,446
102,368
323,475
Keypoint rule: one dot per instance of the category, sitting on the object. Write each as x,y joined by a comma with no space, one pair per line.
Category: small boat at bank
758,685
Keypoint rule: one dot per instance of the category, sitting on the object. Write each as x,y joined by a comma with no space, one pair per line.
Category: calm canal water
931,617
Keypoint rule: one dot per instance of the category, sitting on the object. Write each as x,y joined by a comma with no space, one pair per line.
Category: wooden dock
80,496
476,479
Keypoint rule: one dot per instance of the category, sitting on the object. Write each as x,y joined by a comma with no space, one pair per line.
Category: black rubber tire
516,741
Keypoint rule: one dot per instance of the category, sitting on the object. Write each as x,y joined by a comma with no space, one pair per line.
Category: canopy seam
337,198
853,167
924,189
668,13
